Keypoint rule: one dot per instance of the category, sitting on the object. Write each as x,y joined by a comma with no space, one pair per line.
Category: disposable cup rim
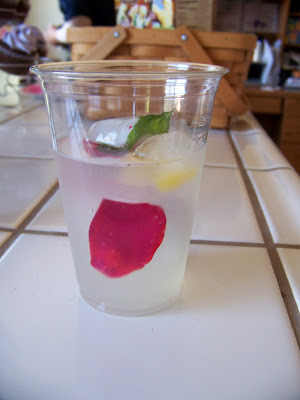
126,70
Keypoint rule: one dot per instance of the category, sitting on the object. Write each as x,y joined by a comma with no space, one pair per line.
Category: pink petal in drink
124,237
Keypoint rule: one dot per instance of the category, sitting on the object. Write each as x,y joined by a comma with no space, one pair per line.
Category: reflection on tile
23,182
51,217
25,140
9,89
25,105
279,192
258,151
229,322
8,112
224,208
290,260
245,124
219,151
4,236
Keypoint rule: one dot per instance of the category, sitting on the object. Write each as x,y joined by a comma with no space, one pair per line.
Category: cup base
130,311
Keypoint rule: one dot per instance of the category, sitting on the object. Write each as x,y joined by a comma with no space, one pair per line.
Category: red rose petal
125,236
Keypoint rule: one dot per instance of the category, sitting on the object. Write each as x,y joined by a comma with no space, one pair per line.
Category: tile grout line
7,230
32,157
241,244
287,246
46,233
270,169
216,166
278,269
26,221
225,243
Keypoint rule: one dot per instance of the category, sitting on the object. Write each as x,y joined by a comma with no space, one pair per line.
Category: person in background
81,13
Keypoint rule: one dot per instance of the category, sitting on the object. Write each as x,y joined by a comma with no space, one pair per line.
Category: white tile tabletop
4,236
279,195
219,151
245,124
23,183
51,217
290,260
231,208
38,115
25,140
269,156
7,113
230,336
230,303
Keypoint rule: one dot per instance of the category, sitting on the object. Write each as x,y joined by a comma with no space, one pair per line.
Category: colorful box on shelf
145,14
293,30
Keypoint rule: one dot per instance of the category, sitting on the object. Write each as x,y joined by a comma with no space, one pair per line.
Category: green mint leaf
151,124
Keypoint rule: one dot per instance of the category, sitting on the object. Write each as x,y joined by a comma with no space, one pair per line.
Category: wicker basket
231,50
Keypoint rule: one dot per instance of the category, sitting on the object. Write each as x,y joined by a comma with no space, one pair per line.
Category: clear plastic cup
129,140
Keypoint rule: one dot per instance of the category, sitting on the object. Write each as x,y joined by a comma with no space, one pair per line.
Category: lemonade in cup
129,140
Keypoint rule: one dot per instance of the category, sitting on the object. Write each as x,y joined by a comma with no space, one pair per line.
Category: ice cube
166,147
112,132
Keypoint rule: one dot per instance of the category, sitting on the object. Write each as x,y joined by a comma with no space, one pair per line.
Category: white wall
43,13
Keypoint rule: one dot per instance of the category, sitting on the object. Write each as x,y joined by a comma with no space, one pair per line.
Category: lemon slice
164,148
173,179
